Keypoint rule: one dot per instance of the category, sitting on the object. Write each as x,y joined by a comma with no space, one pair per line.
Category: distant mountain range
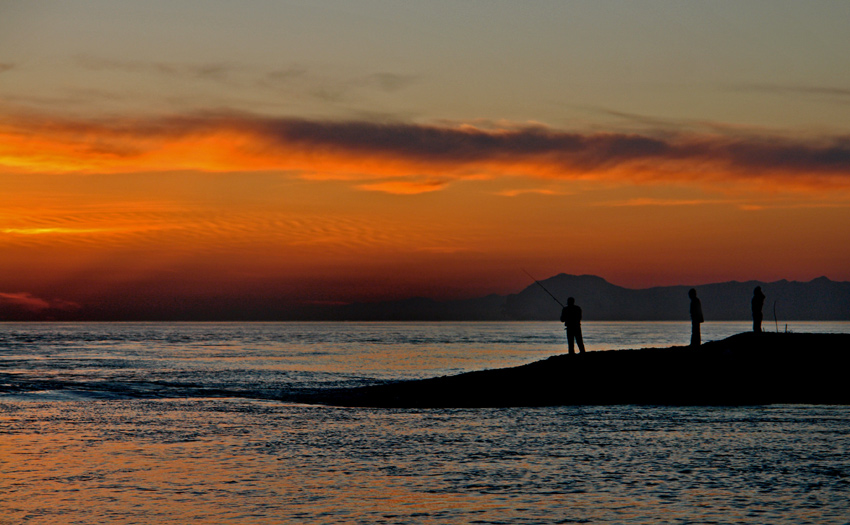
819,299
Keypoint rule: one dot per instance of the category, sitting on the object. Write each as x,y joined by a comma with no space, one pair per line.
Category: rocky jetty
745,369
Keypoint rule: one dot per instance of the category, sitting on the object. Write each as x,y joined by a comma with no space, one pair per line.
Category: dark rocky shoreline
745,369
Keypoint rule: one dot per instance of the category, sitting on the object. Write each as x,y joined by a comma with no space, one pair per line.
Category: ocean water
178,423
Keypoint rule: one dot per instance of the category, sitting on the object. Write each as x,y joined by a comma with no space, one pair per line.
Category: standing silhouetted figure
696,317
571,317
758,303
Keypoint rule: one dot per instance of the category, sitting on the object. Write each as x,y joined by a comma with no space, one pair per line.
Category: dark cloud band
536,149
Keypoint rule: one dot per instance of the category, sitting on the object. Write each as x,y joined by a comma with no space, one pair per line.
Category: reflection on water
213,461
260,359
178,423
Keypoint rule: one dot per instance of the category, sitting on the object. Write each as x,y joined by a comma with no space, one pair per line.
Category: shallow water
116,428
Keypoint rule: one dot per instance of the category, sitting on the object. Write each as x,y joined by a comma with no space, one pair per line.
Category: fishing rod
544,288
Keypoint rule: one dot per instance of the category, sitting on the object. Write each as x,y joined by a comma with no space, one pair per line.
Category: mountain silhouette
818,300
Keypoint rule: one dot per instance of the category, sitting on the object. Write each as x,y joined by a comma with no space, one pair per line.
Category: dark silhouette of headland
745,369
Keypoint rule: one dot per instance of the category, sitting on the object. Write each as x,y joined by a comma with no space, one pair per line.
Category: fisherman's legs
695,335
757,323
573,338
579,340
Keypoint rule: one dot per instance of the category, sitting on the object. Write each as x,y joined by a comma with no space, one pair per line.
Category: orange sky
174,164
312,212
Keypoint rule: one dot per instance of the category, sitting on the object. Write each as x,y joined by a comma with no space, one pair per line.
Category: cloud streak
411,158
212,71
836,93
295,81
531,191
30,302
195,230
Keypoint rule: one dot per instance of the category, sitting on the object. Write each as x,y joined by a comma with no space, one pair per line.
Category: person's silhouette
696,317
758,303
571,317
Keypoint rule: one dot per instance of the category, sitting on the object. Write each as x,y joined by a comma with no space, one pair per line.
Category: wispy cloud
365,151
642,202
295,80
530,191
738,203
30,302
193,229
389,81
48,231
212,71
835,93
405,187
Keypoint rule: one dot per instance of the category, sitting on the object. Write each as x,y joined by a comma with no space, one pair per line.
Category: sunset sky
184,159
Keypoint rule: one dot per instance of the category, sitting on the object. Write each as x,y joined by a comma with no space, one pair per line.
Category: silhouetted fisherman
571,317
758,303
696,317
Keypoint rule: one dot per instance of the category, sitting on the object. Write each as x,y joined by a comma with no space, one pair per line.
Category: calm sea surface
178,423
